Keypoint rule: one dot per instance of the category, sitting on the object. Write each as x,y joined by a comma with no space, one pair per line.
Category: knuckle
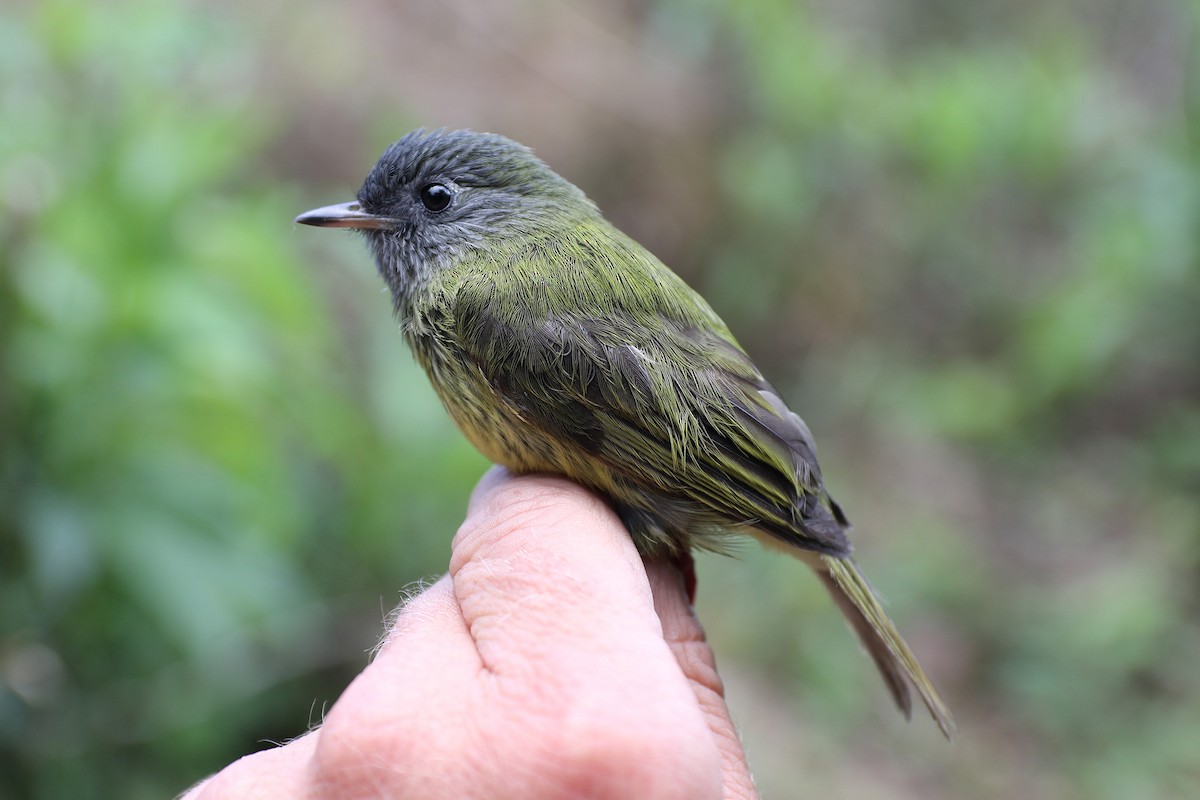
699,666
361,745
530,501
606,757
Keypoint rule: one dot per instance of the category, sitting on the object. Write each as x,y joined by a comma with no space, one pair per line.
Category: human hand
549,663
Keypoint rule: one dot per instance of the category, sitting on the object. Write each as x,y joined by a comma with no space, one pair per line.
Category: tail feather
883,642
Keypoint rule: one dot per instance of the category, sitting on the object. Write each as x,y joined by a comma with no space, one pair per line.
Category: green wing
632,368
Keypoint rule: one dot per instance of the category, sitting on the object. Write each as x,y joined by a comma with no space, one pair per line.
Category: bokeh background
961,237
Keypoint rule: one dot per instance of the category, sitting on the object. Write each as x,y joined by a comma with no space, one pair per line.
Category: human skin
550,662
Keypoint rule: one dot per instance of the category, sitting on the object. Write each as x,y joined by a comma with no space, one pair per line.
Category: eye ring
436,197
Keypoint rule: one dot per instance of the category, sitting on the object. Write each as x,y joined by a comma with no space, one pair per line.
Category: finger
430,625
390,730
427,652
277,774
489,483
685,636
547,578
556,598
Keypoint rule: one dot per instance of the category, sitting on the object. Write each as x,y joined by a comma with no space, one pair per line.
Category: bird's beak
344,215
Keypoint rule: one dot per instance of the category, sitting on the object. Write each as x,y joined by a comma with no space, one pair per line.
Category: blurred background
961,237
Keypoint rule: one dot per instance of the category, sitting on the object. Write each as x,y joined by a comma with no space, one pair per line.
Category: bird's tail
883,642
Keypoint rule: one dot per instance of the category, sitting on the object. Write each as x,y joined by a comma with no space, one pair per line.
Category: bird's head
436,197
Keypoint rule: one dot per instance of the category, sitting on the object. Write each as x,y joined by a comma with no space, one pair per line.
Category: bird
560,345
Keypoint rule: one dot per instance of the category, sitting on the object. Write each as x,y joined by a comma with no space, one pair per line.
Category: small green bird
560,345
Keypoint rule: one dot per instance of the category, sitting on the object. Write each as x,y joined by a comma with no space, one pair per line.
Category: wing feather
661,399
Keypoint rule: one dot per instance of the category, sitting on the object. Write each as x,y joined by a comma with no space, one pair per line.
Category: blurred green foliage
961,237
200,487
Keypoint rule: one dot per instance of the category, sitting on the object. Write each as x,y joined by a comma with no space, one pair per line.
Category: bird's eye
436,197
